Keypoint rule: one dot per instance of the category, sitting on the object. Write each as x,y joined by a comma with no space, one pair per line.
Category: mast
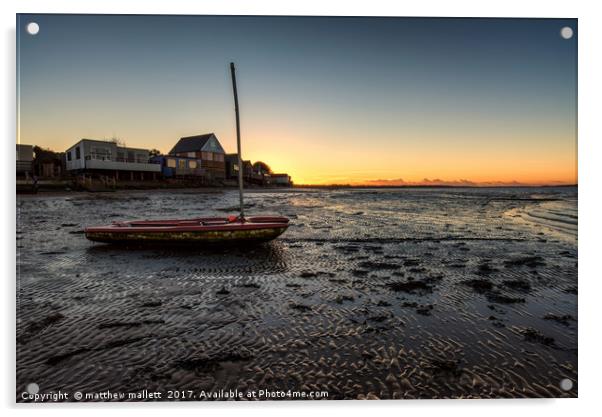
240,167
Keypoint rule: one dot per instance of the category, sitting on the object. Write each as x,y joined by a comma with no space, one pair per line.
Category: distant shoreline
257,190
334,186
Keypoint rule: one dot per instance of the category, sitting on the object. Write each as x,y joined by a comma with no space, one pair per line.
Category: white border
590,205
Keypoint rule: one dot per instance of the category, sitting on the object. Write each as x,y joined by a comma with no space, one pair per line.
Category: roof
109,142
191,143
231,157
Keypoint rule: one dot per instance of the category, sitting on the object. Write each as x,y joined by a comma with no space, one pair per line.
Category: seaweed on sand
445,367
485,269
530,261
497,297
341,298
300,307
410,286
517,284
37,326
532,335
483,286
425,310
564,319
479,285
210,363
371,265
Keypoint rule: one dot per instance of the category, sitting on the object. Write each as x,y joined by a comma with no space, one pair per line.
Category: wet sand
408,293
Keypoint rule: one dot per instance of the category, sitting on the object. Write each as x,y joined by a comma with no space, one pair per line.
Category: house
24,160
107,158
232,167
178,166
258,173
208,150
269,177
283,180
47,163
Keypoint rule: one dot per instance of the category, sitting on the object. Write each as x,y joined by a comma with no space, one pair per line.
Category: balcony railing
100,157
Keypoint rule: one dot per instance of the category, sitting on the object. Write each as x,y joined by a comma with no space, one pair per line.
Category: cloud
443,182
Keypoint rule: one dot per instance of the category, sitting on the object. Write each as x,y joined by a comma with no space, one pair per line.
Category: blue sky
327,99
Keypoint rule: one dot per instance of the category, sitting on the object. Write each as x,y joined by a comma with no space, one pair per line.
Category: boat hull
197,231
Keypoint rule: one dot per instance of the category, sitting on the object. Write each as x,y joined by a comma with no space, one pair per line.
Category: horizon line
484,185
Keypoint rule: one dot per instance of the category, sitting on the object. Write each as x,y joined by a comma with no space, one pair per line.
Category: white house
101,157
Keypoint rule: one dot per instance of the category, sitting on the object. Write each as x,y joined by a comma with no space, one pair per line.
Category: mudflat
371,293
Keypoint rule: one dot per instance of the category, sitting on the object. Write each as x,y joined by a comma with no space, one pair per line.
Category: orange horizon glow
403,162
318,163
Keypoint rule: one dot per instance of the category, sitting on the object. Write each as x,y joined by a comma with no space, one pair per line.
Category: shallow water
389,293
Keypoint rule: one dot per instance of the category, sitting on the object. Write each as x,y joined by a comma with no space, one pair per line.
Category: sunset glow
329,101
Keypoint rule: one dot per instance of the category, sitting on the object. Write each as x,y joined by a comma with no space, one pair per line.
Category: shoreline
188,190
335,186
258,190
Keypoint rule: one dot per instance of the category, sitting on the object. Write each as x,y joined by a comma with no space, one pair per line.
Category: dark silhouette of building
24,160
47,163
232,167
283,180
258,173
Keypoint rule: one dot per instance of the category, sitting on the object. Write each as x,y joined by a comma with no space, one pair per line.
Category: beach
371,293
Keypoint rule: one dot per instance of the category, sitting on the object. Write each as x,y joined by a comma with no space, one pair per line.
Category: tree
117,141
262,167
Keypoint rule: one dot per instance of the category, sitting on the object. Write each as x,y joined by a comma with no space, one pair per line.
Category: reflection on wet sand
261,258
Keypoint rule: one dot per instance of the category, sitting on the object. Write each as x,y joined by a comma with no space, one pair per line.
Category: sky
347,100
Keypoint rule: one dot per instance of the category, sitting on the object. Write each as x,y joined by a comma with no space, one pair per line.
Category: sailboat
211,230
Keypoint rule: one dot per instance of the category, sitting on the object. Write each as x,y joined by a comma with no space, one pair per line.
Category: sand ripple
370,294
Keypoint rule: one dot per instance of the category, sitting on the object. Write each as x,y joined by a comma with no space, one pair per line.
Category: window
207,156
192,164
171,163
103,154
218,157
191,154
78,154
212,144
69,156
182,164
